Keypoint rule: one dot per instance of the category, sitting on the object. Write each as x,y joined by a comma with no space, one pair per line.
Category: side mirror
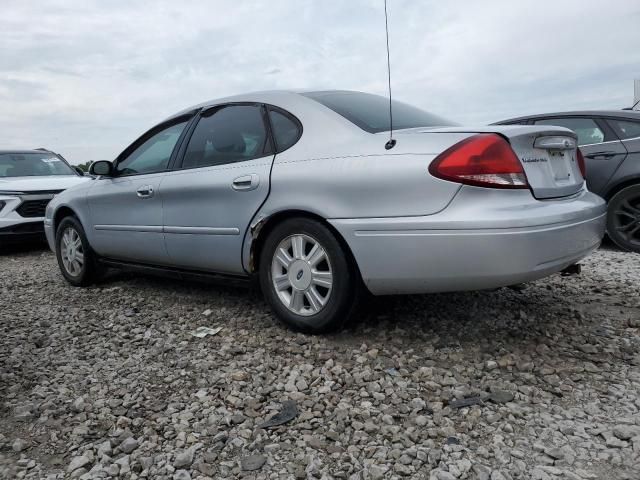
79,171
103,168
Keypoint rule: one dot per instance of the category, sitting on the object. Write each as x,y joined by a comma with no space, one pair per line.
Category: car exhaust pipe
573,269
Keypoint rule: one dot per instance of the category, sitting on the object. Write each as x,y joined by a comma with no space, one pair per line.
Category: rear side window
587,129
286,131
229,134
371,112
625,128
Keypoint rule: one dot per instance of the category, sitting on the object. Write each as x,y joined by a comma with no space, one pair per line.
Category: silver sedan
311,194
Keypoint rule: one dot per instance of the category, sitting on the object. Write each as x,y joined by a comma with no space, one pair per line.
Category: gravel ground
108,382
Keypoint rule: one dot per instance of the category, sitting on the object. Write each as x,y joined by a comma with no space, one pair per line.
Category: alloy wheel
301,274
626,220
72,251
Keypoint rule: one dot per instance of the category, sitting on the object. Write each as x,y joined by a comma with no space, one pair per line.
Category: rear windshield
32,165
371,112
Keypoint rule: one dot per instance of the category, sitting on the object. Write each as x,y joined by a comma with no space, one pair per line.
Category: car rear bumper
475,243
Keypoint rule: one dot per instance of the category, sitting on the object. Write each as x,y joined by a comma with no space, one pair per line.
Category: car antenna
391,143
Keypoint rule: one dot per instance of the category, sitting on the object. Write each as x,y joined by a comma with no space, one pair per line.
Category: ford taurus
308,193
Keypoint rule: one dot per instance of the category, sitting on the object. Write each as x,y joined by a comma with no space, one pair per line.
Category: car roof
19,151
629,114
275,97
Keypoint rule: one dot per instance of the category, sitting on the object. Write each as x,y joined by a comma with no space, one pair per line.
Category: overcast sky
85,78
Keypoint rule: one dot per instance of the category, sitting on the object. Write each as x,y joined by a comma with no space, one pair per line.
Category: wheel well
61,213
620,186
277,218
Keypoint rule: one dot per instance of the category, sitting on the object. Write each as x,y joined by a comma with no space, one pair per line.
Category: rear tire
623,218
306,276
76,259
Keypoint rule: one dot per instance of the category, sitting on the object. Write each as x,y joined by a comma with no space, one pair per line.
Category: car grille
33,208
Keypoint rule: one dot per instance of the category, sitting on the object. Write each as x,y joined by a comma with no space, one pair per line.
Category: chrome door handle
246,182
601,154
145,192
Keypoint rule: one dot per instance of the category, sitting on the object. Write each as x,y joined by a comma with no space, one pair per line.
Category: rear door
602,150
222,180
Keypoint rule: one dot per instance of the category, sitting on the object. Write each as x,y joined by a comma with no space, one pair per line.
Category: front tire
76,260
623,218
306,277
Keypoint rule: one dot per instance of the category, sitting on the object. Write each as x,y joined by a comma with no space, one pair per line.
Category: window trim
291,117
179,163
188,117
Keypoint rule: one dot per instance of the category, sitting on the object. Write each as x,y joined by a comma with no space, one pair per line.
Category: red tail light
484,160
581,164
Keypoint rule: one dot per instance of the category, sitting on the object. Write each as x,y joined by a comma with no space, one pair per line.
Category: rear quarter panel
348,173
359,186
355,177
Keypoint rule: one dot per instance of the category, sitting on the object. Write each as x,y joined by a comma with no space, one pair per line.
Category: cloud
87,77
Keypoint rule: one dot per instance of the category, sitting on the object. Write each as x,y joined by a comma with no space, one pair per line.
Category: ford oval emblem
299,275
567,143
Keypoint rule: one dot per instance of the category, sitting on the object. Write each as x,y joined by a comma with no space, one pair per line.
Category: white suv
29,179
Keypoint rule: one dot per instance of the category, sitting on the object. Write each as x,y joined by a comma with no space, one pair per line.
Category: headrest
228,140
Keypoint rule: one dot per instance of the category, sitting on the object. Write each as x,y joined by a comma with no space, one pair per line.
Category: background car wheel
75,257
306,276
623,218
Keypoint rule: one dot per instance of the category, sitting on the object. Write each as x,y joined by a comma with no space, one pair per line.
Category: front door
222,181
126,209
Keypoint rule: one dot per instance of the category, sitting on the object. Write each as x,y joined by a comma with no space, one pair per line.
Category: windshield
32,165
371,112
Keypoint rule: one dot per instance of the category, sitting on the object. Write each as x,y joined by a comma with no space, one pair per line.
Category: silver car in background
305,191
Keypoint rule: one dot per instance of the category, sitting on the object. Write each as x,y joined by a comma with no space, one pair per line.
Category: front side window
32,165
228,134
371,112
587,129
286,131
626,129
153,154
